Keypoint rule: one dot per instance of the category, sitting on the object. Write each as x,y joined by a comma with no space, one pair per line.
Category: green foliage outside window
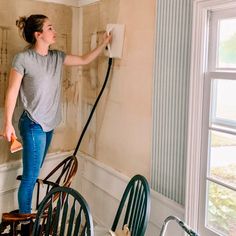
222,202
228,51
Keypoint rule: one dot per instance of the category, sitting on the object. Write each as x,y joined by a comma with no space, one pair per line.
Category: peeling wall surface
124,115
11,43
120,132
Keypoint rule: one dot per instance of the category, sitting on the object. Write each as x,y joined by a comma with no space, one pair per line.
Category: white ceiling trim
86,2
73,3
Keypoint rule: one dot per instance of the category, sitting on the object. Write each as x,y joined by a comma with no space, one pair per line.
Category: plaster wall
11,43
120,132
123,129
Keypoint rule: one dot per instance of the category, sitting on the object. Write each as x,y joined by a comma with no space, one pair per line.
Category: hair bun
20,23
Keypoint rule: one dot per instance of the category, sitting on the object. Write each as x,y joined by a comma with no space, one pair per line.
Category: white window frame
197,107
215,70
216,120
222,14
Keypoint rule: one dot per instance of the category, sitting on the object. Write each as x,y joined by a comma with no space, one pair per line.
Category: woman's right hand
9,132
107,38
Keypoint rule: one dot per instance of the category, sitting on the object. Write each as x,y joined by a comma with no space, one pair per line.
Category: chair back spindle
134,207
68,215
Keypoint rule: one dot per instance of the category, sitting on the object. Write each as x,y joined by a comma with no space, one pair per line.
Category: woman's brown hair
29,25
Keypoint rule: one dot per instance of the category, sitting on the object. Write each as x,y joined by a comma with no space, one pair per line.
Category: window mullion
216,181
228,75
227,131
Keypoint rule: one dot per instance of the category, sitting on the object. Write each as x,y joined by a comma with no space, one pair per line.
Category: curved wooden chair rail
61,175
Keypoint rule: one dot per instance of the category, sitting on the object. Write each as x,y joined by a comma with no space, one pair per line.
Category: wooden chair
68,215
134,208
61,175
69,166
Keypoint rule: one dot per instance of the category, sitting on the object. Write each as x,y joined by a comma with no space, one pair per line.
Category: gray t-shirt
41,85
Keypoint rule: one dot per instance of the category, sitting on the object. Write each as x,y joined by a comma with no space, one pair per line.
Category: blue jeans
35,146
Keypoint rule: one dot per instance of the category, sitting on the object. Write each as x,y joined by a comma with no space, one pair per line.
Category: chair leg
26,229
3,227
13,228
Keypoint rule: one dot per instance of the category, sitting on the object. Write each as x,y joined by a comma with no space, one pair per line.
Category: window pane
227,43
223,105
221,209
223,157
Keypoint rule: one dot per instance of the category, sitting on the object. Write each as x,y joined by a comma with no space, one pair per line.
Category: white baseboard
9,185
101,186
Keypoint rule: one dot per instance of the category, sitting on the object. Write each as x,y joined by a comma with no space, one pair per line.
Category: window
219,127
211,157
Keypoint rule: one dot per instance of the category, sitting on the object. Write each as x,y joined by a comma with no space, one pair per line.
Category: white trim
9,171
9,184
195,114
225,130
228,75
72,3
196,104
216,16
221,183
102,187
82,3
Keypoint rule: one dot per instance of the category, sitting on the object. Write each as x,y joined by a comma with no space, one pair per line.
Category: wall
123,121
119,137
11,43
103,187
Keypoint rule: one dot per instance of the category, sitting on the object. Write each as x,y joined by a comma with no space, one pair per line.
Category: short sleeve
18,63
62,55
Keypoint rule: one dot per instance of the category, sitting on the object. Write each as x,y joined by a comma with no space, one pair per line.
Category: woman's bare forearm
15,79
89,57
10,104
73,60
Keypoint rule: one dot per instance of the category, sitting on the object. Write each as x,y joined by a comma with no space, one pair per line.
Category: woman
36,73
